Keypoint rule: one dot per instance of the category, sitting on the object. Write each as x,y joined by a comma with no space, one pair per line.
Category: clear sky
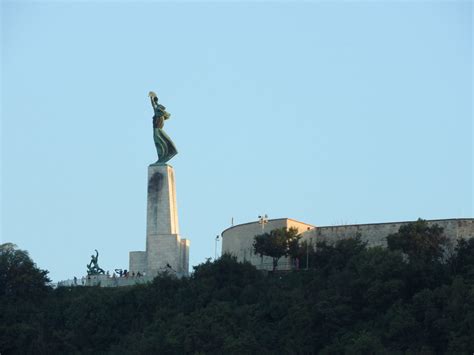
325,112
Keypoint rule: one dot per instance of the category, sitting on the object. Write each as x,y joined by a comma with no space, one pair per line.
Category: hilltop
408,298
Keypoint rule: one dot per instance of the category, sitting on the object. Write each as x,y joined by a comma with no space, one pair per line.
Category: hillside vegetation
416,296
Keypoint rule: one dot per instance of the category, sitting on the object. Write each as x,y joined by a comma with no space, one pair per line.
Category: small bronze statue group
93,267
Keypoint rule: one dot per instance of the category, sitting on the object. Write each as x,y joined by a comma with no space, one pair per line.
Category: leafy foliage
23,290
277,243
419,241
463,259
351,300
19,276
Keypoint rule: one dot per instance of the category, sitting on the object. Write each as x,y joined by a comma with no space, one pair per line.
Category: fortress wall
375,234
300,226
238,240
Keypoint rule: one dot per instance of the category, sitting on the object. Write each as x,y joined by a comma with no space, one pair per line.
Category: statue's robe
164,145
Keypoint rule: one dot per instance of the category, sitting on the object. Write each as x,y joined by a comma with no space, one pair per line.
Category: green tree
419,241
332,257
23,292
277,243
462,261
353,299
425,250
19,276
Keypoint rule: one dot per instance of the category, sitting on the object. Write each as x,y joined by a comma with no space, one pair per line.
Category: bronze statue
93,267
164,145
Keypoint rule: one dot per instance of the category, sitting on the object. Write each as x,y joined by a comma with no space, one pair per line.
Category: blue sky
325,112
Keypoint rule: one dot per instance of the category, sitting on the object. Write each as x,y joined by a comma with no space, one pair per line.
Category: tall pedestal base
166,250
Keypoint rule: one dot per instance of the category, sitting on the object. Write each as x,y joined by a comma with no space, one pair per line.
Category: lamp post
307,249
307,254
263,220
215,247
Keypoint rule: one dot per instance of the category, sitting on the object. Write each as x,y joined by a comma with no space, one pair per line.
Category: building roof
270,220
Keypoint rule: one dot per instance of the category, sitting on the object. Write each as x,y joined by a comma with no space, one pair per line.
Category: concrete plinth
138,262
166,250
163,252
162,210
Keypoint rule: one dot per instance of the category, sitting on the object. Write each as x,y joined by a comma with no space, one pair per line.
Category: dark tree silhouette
277,243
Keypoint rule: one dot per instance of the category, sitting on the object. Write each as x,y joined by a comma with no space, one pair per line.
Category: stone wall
109,281
375,233
238,240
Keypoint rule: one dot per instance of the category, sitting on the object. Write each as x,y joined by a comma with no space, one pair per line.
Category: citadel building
238,240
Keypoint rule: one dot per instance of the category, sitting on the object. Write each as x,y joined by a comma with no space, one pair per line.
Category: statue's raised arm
164,145
152,99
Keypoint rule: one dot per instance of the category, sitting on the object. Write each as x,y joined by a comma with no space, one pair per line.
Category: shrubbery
408,298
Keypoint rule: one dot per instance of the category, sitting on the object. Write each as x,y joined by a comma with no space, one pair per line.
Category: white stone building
238,240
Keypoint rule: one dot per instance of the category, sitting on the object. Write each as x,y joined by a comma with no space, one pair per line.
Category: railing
282,265
70,283
104,281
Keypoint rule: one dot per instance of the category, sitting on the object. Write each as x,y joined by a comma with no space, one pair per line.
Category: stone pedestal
138,262
162,211
165,249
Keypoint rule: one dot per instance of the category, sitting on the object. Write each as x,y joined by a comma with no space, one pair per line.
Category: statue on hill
93,267
164,145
